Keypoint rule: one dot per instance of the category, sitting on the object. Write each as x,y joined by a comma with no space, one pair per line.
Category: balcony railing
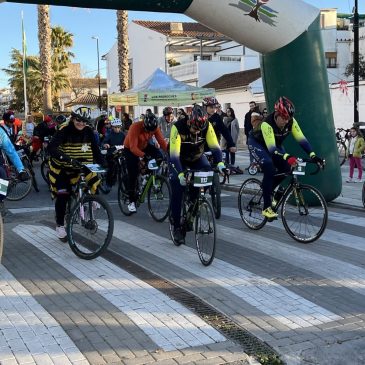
188,69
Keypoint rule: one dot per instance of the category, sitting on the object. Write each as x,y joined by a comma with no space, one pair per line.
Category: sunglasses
80,121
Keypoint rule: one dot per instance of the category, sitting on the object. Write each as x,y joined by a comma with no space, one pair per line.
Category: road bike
89,218
156,188
303,208
198,215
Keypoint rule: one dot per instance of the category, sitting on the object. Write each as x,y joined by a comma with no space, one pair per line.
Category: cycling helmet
284,107
116,122
167,111
210,101
150,122
60,119
197,118
80,117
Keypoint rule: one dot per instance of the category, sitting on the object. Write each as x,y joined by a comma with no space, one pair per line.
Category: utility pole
97,51
356,64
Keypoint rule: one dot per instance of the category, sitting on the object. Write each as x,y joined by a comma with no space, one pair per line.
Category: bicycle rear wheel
90,227
215,193
341,148
251,204
205,232
304,222
123,197
18,190
158,198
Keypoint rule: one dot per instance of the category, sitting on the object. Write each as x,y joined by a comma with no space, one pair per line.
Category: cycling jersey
137,139
269,135
188,147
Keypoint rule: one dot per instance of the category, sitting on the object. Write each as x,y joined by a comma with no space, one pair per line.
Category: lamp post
356,64
97,51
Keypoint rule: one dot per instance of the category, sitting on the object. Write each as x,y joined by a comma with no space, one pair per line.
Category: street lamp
97,51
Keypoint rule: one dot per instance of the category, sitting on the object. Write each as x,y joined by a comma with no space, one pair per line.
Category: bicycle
342,137
29,167
198,215
151,185
89,218
304,210
17,189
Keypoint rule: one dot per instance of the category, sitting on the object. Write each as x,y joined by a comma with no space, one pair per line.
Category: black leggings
60,207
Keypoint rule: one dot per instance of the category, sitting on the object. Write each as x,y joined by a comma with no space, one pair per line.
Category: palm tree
44,38
61,41
123,46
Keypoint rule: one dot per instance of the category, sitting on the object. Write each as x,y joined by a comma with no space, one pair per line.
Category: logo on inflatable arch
258,10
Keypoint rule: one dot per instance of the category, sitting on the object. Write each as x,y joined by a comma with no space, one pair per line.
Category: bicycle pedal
272,219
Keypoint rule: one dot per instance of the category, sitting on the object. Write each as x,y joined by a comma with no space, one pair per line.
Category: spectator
248,125
219,111
264,113
231,122
181,114
28,129
356,148
127,121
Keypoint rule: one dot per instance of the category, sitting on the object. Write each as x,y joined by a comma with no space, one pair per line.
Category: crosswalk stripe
329,235
343,273
169,324
269,297
28,333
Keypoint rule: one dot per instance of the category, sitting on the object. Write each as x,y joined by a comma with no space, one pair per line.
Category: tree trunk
123,48
44,38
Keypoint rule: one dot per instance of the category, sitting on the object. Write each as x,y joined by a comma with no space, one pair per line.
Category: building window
230,58
331,59
205,57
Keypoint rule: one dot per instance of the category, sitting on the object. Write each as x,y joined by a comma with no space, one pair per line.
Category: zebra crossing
263,279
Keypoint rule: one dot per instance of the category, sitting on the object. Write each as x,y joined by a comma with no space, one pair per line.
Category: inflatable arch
287,33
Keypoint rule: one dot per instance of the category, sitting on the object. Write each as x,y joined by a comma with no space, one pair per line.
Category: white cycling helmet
116,122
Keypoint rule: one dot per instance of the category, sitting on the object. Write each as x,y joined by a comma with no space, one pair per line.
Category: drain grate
251,345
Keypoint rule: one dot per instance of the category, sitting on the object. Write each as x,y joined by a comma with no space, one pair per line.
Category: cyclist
60,121
136,147
45,129
165,122
7,146
8,126
187,142
265,143
217,122
115,138
73,144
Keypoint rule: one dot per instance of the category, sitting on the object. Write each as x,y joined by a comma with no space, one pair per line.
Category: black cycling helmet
60,119
150,122
197,118
80,117
167,110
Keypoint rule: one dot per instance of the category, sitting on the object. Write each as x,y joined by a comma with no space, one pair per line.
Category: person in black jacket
72,145
115,138
248,125
217,122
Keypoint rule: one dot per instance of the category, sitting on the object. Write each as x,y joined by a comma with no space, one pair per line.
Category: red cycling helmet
210,101
197,118
285,108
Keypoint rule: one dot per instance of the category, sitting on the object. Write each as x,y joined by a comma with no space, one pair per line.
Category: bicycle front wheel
251,204
158,198
304,213
205,232
90,227
18,190
215,193
45,170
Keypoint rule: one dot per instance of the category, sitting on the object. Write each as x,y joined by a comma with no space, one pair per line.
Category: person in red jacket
136,147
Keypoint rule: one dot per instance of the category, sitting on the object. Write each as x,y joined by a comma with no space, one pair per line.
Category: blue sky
85,23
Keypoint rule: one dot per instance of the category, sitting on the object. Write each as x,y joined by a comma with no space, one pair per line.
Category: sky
86,23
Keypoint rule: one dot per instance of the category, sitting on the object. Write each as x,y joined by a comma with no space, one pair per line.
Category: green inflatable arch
287,34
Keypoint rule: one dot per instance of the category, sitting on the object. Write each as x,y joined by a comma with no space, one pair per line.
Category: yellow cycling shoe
269,213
